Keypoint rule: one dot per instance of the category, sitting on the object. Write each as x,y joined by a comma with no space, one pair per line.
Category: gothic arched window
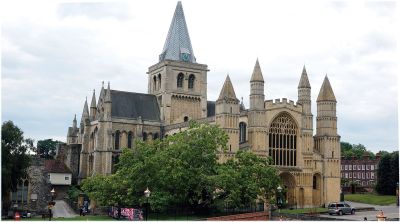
185,119
242,132
191,81
144,136
179,80
130,136
116,140
282,140
154,83
155,136
159,81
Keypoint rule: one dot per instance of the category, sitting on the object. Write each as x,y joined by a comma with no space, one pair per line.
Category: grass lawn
304,210
371,199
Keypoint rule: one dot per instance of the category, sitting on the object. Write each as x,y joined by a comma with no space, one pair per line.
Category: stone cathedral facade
308,162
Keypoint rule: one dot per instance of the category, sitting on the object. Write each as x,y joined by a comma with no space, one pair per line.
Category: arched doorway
289,184
316,189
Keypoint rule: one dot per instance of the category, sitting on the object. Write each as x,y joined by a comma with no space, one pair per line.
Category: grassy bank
304,211
371,199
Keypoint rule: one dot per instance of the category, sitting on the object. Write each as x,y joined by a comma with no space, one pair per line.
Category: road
391,211
62,209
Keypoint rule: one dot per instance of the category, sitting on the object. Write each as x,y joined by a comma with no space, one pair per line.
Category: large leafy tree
243,180
14,156
357,150
178,170
47,148
388,174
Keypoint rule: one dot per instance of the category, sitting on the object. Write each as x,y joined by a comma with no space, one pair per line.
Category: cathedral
308,162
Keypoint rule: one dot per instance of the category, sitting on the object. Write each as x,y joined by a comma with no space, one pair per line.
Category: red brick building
362,171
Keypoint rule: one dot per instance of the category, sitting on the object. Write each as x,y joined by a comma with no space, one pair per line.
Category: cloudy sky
54,53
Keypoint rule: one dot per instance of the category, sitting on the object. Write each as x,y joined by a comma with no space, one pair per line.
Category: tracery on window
283,140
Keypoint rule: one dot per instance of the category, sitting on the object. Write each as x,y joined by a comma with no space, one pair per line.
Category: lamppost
147,195
279,199
52,194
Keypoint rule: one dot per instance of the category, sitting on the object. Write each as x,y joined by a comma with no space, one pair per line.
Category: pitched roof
326,92
304,83
257,74
56,166
178,40
133,105
227,90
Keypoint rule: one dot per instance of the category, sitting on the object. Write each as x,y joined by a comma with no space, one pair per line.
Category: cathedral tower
304,98
327,141
256,114
178,81
227,114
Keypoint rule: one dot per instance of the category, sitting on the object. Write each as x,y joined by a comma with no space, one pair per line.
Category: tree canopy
14,156
388,173
47,148
183,170
358,150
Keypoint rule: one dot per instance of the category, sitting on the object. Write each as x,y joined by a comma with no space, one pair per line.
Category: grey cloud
118,10
382,8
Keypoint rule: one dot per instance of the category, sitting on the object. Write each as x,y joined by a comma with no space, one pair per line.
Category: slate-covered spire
177,46
326,92
227,90
257,74
93,104
85,112
304,83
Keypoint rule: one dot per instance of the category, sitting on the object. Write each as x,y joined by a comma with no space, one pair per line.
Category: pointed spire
101,90
93,104
227,90
108,93
177,45
85,112
304,83
326,92
74,122
257,74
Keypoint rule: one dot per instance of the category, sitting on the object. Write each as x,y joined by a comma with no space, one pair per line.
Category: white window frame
358,167
363,167
350,175
346,175
367,176
345,167
350,167
372,167
363,175
367,166
372,175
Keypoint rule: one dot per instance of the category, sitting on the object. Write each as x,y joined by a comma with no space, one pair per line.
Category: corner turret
257,89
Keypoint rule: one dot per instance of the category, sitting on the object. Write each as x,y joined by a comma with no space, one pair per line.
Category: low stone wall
246,216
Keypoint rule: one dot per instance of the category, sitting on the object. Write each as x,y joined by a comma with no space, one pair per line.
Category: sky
54,53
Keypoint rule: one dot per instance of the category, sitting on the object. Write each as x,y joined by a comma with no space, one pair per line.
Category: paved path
391,211
62,209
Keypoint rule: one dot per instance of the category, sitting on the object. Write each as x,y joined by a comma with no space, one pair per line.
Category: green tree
47,148
243,180
388,174
178,170
14,157
357,150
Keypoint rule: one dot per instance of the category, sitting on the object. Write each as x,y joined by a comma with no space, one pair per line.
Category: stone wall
38,185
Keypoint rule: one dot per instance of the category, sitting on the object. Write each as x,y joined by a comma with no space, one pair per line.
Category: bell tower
177,80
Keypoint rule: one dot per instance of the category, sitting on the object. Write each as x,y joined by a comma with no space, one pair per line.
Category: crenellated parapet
283,103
